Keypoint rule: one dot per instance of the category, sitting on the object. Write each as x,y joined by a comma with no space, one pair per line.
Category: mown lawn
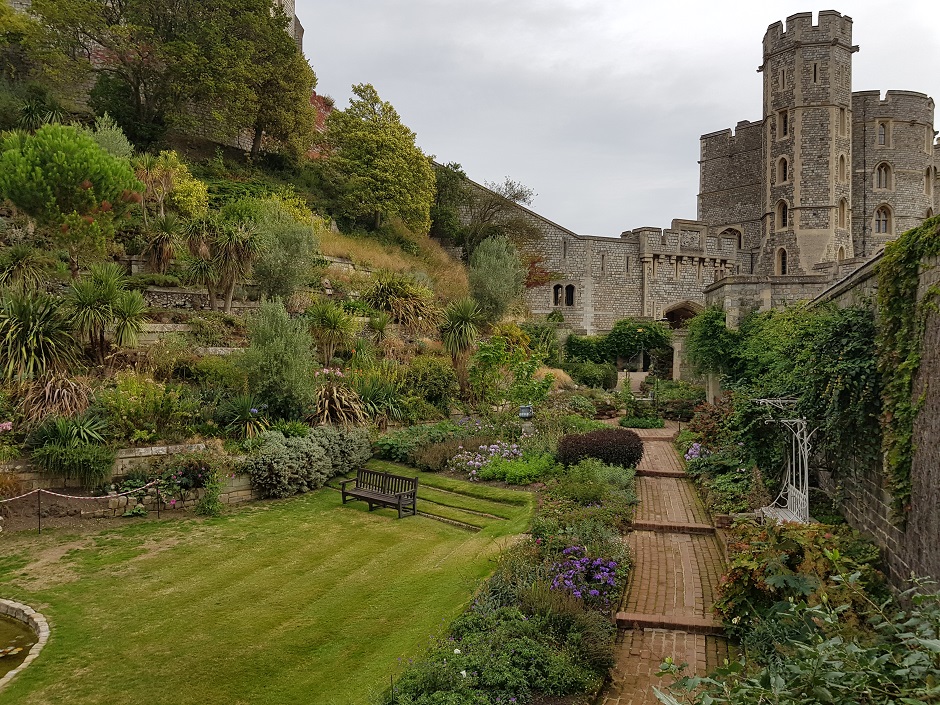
295,601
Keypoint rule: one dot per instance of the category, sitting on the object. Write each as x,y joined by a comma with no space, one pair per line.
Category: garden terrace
244,608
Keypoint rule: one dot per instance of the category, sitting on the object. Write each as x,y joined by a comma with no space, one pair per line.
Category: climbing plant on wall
902,312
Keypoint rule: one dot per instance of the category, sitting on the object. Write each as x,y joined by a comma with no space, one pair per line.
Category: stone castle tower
806,197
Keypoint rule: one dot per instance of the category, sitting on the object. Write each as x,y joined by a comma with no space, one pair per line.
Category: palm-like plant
22,268
235,250
242,417
35,336
100,302
163,241
331,328
460,330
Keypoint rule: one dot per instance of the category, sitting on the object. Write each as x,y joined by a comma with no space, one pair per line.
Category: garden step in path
667,608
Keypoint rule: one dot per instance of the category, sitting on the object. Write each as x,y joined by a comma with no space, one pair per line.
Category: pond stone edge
35,621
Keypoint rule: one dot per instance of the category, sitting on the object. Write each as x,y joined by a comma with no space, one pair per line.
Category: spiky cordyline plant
460,330
35,336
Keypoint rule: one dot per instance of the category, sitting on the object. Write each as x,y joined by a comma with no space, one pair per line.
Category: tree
286,261
63,179
222,255
497,278
379,169
331,327
100,302
493,210
152,61
459,332
451,196
629,337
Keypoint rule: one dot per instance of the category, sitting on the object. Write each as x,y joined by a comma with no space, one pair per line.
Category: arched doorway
677,314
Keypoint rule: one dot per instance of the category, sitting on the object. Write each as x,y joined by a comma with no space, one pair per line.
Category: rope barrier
107,496
20,496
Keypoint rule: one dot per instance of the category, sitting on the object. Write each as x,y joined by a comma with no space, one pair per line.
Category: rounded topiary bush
614,446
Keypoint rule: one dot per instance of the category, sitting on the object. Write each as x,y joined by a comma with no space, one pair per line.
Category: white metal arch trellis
792,504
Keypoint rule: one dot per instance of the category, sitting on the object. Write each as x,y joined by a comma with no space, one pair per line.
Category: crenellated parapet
833,28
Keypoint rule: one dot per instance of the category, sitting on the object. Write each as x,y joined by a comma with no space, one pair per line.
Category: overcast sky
597,105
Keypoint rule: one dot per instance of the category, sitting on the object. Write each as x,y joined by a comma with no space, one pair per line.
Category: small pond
16,639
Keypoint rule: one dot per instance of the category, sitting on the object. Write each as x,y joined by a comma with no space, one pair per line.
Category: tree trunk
256,142
229,293
211,290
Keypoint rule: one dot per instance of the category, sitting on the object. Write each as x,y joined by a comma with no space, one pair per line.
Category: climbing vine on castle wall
902,318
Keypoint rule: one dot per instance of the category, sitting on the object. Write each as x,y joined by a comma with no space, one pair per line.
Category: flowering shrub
695,451
141,410
473,462
593,580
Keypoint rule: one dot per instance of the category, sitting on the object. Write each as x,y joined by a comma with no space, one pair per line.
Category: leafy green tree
630,337
63,179
153,60
451,196
380,170
494,211
110,137
497,277
711,346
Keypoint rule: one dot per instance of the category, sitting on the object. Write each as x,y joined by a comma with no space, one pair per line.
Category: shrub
142,410
497,277
287,466
243,417
400,445
615,446
437,456
677,400
210,329
633,422
35,336
592,374
73,449
220,373
53,395
519,471
333,401
409,303
433,379
279,361
472,461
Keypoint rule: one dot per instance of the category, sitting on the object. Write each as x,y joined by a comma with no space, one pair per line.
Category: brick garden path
666,610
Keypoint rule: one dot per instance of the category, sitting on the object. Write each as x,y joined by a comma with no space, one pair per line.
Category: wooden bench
382,489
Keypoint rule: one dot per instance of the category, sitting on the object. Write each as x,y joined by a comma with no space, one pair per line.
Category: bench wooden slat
383,489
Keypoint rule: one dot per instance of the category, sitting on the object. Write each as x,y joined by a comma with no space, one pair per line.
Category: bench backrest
384,482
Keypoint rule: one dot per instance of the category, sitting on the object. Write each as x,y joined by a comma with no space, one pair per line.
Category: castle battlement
896,105
832,28
722,143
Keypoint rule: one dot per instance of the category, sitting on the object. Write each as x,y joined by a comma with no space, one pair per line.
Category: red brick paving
672,583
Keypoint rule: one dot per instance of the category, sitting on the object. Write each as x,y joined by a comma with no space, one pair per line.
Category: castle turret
807,194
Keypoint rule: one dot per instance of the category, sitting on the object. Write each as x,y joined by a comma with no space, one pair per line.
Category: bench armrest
344,482
403,494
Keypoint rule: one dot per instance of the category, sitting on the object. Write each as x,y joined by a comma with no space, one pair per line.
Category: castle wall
730,184
909,152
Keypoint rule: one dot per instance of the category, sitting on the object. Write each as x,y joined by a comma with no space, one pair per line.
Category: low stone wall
740,295
191,299
35,621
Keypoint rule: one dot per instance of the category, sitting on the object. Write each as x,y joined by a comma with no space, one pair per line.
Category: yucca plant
163,241
331,328
335,403
408,302
243,417
22,268
380,397
35,336
73,449
128,316
378,324
100,302
460,330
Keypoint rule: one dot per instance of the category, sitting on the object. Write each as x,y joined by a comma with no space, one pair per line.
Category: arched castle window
783,170
843,212
883,133
883,176
783,215
780,265
558,293
929,213
843,172
883,220
569,295
841,255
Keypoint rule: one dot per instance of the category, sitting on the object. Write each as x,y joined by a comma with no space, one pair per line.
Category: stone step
664,527
675,622
647,472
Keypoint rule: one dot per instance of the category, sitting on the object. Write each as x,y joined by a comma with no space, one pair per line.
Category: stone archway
678,313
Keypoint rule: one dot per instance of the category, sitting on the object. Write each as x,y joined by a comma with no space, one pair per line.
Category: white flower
456,651
463,673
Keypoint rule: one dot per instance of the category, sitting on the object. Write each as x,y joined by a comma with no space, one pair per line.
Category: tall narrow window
842,168
677,267
843,213
842,125
557,294
603,263
815,73
883,133
782,79
929,213
841,255
564,249
883,220
783,123
783,215
883,176
928,181
569,295
781,261
626,265
783,170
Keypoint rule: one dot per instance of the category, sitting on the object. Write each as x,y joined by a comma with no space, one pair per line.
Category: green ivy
902,318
